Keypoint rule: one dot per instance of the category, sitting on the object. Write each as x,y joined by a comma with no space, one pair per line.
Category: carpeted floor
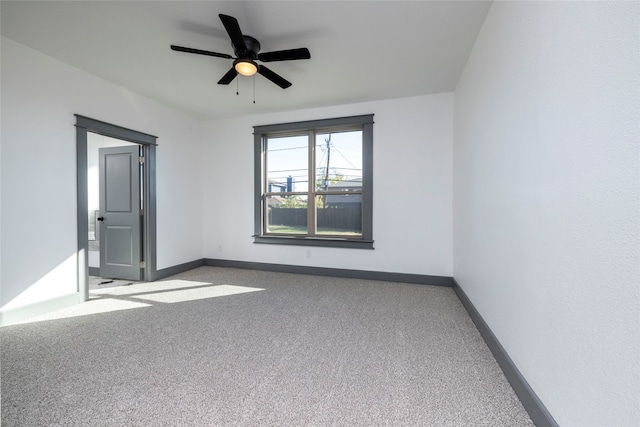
96,282
227,347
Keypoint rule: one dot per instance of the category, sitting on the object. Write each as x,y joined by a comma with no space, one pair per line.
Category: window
313,183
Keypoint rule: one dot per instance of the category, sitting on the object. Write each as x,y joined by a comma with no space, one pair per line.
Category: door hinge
141,160
142,264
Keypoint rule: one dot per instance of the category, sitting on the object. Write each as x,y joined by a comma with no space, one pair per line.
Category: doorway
116,203
116,208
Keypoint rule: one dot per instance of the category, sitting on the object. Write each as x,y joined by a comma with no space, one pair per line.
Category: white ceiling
360,50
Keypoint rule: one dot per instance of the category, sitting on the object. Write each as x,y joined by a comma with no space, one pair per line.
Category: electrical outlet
308,253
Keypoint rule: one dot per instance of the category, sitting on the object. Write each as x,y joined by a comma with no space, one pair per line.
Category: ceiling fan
247,53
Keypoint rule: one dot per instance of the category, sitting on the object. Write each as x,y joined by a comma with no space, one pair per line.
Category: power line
269,150
286,170
344,157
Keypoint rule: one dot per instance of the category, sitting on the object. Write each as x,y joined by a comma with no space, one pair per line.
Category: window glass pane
287,214
340,214
338,160
287,164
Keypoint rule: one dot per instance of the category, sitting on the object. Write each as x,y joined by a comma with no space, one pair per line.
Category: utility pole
327,140
326,171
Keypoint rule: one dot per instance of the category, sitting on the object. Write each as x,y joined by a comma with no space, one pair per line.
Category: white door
119,216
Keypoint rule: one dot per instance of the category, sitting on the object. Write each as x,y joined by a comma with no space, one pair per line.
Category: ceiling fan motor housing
253,47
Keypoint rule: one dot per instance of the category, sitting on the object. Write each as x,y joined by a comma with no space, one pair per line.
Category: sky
288,156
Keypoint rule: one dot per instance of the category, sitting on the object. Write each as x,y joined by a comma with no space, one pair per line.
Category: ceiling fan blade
228,78
285,55
200,52
233,29
273,77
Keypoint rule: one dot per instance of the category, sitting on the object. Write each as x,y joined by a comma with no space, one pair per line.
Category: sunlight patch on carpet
148,287
191,294
144,295
95,306
172,291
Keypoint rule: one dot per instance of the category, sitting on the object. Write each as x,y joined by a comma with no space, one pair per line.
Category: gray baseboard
94,271
420,279
176,269
532,404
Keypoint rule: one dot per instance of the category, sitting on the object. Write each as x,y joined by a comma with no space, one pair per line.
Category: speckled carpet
219,346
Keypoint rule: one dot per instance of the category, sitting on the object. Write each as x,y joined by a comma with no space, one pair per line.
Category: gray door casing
84,125
120,213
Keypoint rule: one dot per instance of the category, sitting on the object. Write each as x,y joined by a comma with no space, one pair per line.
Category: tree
324,186
292,202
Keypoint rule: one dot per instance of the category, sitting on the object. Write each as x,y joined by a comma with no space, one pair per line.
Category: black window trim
260,133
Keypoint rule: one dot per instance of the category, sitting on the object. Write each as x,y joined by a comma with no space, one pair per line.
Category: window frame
261,133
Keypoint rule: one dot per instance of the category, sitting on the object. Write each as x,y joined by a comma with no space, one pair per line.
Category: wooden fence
345,217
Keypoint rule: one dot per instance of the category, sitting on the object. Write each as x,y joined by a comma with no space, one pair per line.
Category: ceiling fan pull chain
254,88
237,87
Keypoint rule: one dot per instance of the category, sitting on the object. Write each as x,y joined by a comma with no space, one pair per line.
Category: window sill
327,242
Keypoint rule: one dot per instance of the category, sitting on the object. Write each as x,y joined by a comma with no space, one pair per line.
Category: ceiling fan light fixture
245,67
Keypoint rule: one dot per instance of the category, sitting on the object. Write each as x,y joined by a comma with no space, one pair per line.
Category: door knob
100,218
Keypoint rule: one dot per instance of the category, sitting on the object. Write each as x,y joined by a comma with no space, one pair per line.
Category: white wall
39,99
412,189
546,200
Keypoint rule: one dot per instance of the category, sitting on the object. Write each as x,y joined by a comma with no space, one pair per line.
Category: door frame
148,142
